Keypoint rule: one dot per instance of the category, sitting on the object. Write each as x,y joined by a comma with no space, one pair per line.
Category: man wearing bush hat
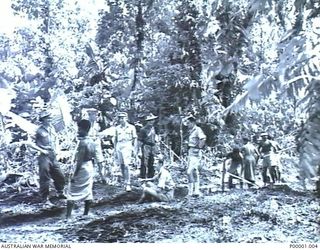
147,139
46,143
125,147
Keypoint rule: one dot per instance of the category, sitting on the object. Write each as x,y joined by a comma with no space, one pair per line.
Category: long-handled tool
180,158
240,178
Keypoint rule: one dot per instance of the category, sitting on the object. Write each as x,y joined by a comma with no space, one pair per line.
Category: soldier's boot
69,208
86,207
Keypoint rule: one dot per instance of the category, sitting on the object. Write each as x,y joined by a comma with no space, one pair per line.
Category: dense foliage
217,59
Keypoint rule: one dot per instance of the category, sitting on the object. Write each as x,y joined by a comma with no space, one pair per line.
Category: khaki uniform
125,148
194,158
48,164
148,149
194,152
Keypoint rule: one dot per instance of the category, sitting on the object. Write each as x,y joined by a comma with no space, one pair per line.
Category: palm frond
255,88
6,96
60,111
237,104
23,123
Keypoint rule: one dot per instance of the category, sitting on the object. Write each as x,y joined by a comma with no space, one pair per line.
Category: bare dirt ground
271,214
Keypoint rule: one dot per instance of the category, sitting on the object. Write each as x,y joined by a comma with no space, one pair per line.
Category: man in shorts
196,143
125,147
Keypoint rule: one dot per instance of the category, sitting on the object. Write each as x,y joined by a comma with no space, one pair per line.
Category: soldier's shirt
148,135
196,135
46,138
125,134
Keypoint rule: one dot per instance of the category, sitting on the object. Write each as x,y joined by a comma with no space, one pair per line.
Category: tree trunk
138,55
48,63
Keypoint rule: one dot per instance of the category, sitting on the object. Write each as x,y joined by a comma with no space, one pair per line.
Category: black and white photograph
159,121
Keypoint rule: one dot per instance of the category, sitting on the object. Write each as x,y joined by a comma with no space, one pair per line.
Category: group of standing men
127,145
243,165
88,153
